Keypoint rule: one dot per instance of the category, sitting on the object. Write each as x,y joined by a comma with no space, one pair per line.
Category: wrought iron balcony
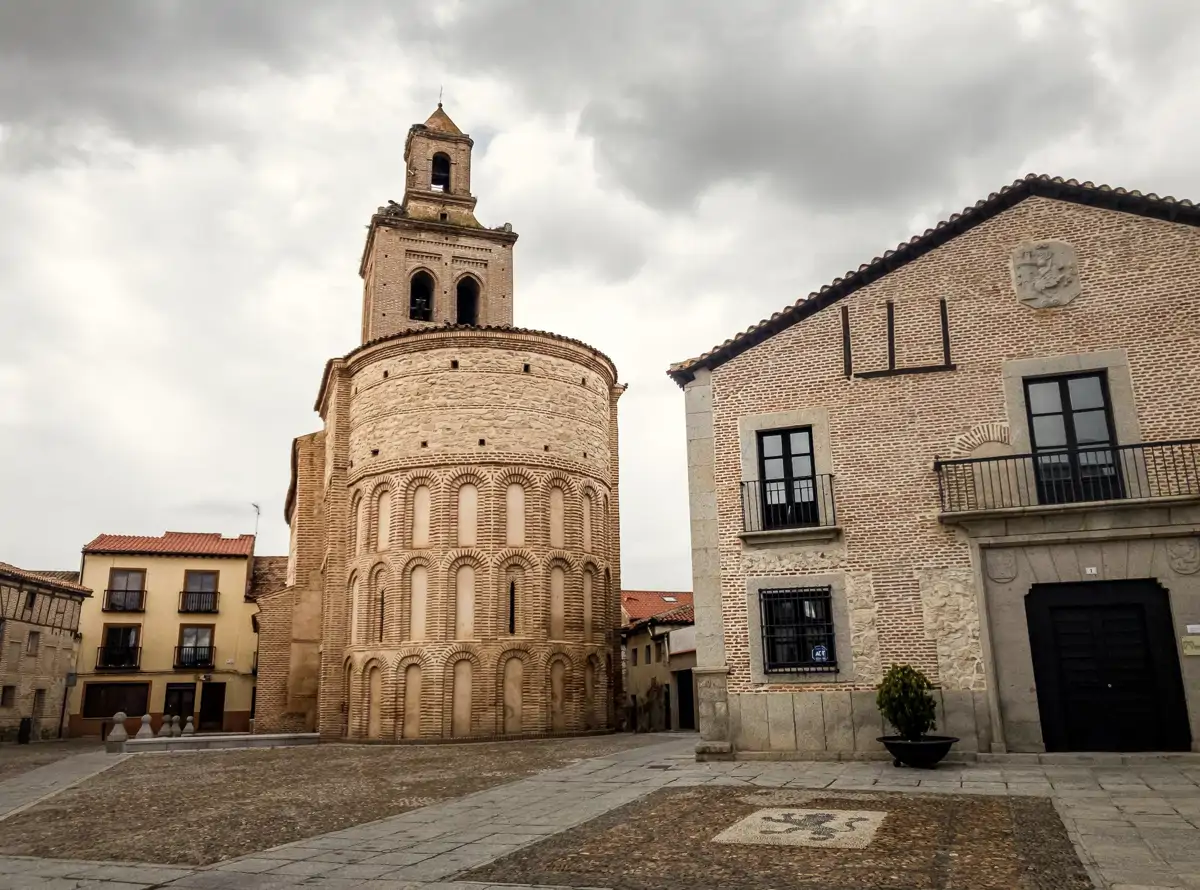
198,600
118,658
124,601
1143,471
779,504
194,656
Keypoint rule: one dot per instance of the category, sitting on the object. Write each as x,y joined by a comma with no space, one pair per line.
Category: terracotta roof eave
23,576
1152,206
102,551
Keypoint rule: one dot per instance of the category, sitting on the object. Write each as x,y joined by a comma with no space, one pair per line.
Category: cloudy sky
184,190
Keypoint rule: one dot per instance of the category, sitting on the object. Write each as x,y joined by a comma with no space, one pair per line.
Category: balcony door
195,646
787,478
1071,431
126,587
120,646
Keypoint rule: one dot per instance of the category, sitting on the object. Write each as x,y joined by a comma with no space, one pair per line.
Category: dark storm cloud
819,101
138,70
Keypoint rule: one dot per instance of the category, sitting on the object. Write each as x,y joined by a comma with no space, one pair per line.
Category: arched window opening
420,297
382,610
439,175
514,523
512,607
468,514
468,301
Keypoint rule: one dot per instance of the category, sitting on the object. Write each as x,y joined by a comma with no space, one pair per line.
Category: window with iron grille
797,629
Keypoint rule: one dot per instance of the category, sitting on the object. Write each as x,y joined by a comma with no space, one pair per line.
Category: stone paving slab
28,788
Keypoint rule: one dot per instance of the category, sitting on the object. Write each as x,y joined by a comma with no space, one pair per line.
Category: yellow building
170,630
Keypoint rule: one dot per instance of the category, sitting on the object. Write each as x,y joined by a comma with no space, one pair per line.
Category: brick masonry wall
1140,278
397,253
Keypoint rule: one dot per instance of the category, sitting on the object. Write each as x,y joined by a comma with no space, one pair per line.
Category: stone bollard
188,729
114,742
175,730
164,731
145,732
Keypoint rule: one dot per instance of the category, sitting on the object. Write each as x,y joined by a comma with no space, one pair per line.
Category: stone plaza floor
1129,826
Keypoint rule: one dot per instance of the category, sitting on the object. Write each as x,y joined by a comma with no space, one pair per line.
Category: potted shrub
906,703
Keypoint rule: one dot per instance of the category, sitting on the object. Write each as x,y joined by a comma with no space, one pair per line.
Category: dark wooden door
212,707
1107,668
687,700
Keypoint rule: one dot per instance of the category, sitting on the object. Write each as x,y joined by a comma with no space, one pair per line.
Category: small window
8,697
439,174
670,599
39,702
483,441
33,642
633,656
420,296
525,369
658,651
454,363
647,653
797,630
30,600
443,217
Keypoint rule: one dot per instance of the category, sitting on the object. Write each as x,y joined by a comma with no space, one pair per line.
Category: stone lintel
806,535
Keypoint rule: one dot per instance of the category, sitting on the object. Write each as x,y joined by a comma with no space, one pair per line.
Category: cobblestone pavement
1134,826
25,789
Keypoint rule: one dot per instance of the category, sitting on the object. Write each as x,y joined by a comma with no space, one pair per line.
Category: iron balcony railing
124,601
1070,475
775,504
198,601
194,656
118,658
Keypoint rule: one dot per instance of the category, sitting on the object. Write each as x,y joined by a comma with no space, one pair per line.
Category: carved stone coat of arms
1045,273
1183,555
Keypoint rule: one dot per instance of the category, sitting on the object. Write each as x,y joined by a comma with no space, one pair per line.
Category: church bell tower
428,262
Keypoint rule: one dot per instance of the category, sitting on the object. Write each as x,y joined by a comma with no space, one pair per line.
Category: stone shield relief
1183,556
1001,565
1045,273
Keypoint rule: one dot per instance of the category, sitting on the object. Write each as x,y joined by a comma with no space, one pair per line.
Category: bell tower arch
428,261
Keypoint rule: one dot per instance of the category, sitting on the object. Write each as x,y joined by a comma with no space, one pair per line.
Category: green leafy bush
905,701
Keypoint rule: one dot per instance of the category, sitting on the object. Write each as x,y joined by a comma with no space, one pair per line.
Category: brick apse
454,567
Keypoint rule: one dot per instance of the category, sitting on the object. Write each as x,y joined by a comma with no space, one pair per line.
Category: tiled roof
1170,209
680,615
174,544
57,580
639,604
441,122
269,575
59,574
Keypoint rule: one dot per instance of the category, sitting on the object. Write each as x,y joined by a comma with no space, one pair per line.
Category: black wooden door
1107,668
212,707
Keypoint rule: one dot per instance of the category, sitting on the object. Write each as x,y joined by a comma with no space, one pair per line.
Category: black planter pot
924,753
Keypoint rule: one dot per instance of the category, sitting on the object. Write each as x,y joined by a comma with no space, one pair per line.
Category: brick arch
426,721
455,560
372,496
570,699
499,505
480,689
359,705
531,717
353,598
450,495
356,500
402,577
980,434
528,594
594,713
406,488
377,612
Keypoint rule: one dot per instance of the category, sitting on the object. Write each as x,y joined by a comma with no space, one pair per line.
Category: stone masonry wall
1139,280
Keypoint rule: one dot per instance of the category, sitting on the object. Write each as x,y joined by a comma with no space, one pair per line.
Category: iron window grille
797,629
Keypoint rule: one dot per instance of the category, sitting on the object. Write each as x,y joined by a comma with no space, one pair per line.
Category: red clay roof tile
639,604
174,544
49,580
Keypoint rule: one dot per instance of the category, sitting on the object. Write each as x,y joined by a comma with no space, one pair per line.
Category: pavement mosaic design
854,829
